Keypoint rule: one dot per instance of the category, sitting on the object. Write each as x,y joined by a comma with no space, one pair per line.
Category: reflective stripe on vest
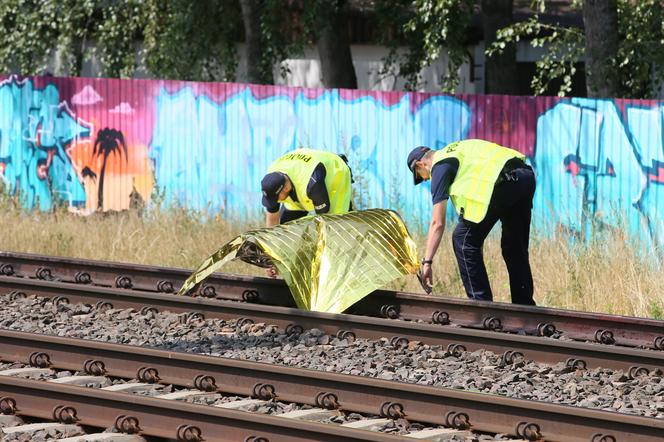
300,164
480,163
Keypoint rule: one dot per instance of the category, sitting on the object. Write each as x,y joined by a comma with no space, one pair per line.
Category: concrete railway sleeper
207,393
153,417
529,420
401,332
548,322
14,428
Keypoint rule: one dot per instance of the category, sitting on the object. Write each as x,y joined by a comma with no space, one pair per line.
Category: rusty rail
606,329
530,420
538,349
179,421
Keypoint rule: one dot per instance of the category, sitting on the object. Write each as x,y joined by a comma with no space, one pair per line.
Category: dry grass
607,276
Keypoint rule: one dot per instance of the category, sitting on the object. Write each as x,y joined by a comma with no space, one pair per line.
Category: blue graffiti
212,156
35,131
597,168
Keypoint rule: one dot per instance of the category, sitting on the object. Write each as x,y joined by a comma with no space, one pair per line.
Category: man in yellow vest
305,181
487,183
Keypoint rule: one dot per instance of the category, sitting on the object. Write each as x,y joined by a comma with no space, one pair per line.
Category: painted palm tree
109,141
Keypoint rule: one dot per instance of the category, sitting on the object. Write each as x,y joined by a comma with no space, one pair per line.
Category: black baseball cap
414,156
271,185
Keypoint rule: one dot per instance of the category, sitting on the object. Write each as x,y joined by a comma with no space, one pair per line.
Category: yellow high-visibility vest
300,164
480,163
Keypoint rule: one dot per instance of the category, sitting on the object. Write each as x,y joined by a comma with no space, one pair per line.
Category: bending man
305,181
486,182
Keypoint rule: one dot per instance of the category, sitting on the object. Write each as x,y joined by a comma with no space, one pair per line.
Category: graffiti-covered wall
103,144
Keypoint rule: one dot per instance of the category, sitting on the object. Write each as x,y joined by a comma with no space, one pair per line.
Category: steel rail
530,347
603,328
530,420
167,419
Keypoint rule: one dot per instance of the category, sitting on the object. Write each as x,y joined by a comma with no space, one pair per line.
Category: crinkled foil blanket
328,261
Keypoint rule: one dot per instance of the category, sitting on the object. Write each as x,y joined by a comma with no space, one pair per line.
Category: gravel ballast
417,363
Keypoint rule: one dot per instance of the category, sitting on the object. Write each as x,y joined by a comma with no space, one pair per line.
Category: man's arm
272,219
436,229
317,191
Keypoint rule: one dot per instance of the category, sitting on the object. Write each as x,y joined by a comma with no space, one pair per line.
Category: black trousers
511,203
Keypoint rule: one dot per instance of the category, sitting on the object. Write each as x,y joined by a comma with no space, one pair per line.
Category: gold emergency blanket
328,261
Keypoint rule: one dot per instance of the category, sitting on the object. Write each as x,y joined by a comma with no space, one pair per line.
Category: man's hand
272,272
426,277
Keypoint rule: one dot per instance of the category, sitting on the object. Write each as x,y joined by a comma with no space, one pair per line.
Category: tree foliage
425,28
637,65
191,40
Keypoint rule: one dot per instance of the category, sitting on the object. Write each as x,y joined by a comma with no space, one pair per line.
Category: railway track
456,410
578,354
250,300
499,317
205,393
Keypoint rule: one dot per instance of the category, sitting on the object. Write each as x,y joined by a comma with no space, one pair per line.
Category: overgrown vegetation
581,277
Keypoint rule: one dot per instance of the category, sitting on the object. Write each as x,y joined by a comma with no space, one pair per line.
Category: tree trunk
251,18
600,18
334,48
500,73
100,190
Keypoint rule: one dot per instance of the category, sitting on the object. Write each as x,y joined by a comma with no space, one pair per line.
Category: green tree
425,28
628,67
191,40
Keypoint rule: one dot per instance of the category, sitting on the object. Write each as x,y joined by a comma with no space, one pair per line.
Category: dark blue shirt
316,191
442,175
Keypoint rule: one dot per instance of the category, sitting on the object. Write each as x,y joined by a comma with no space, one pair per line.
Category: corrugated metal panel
206,146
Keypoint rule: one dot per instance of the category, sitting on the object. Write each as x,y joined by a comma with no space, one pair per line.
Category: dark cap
271,185
414,156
